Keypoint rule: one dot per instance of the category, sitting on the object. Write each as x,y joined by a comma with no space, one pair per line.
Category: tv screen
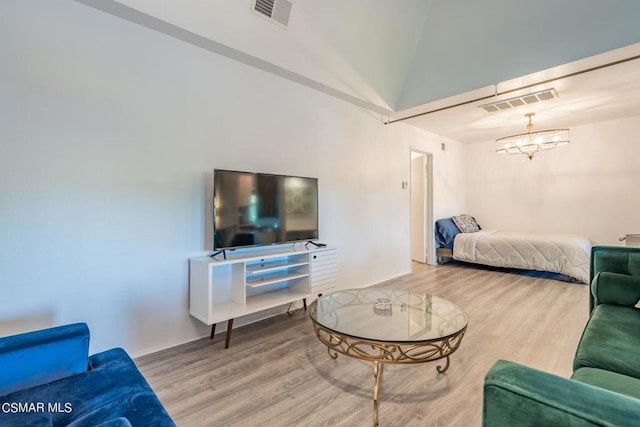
252,209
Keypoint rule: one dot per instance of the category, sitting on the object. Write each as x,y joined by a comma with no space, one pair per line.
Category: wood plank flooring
277,373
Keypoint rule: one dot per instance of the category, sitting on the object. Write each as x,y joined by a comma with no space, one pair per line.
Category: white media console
224,289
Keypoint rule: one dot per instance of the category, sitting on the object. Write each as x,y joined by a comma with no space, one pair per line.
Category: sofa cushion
112,388
615,288
610,341
618,383
40,357
615,259
21,419
114,422
516,395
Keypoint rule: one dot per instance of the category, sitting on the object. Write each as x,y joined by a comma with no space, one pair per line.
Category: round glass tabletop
388,315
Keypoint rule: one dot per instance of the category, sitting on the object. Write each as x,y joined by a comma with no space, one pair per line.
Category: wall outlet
405,185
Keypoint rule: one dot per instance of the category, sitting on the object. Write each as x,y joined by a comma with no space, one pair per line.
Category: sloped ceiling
360,47
469,44
395,56
598,88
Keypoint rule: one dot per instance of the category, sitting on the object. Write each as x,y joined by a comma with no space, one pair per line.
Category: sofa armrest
615,288
522,396
40,357
613,259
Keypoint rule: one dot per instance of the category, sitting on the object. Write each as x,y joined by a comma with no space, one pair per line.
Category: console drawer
323,269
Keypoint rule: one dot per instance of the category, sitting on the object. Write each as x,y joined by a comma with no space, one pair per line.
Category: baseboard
252,318
237,323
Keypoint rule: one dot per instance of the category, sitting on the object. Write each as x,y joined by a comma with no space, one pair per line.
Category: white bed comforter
558,253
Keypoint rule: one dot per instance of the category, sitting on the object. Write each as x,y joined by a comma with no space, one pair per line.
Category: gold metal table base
377,374
380,353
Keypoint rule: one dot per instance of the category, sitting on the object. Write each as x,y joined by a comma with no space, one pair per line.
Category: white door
418,207
422,233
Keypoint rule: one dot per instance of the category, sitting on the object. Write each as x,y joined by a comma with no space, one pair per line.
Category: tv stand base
230,327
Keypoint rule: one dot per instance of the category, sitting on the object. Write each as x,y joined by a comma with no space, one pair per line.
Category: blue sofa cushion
31,419
39,357
113,388
611,340
116,422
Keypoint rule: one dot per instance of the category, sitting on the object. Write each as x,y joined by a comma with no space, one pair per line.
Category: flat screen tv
254,209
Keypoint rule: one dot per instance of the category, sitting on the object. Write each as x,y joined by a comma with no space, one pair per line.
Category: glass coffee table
388,326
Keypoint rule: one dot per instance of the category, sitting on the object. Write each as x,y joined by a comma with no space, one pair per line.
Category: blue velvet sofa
48,379
604,389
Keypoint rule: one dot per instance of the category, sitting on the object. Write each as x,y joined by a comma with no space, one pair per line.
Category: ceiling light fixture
532,142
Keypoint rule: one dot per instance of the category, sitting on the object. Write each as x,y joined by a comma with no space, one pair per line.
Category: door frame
427,196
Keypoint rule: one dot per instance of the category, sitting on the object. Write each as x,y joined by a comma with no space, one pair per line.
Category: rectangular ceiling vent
277,11
531,98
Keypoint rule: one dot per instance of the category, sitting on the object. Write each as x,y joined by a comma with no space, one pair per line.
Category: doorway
422,237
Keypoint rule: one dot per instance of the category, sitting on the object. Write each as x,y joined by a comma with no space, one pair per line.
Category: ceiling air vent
274,10
520,100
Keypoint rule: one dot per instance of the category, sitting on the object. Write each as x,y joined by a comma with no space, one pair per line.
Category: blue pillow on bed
446,231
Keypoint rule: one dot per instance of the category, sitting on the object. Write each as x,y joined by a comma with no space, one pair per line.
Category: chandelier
532,142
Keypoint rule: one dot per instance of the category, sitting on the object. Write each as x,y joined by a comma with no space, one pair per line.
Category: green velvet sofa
604,389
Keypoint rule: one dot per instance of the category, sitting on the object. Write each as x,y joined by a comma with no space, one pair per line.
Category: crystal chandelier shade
530,143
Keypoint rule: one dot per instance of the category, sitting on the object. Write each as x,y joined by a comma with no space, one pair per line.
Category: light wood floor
277,373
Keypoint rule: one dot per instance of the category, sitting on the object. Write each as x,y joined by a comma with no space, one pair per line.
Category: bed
557,253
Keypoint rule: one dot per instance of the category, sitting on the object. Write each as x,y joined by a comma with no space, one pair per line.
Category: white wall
348,45
108,131
589,187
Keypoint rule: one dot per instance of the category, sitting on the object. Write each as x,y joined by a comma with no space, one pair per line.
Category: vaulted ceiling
400,56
